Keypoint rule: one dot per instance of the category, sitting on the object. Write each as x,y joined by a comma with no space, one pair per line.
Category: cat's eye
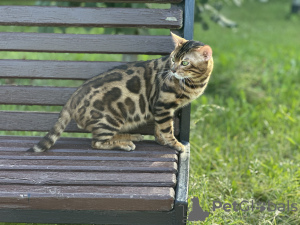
185,63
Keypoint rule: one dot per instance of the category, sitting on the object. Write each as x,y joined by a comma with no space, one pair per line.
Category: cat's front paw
179,147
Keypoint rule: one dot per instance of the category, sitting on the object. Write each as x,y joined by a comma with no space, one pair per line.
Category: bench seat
74,176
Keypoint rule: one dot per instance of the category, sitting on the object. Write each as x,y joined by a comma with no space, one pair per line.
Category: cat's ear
206,52
178,40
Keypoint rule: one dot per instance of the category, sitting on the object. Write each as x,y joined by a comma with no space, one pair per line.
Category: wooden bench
71,183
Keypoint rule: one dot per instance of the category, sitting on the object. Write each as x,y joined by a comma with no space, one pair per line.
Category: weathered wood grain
31,121
90,166
79,145
43,69
20,154
90,17
75,154
74,148
86,197
35,95
52,154
73,43
88,178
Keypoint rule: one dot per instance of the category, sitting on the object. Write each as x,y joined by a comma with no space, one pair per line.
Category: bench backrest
36,82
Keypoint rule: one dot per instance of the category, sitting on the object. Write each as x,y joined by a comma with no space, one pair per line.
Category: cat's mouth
177,76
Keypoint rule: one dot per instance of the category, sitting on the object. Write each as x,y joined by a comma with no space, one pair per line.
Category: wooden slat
86,198
77,155
84,43
39,69
31,121
100,155
144,152
92,17
28,95
90,166
40,121
55,154
68,163
74,144
88,178
81,150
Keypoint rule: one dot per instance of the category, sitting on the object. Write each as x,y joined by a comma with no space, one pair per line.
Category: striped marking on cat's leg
128,137
102,133
158,137
164,133
103,138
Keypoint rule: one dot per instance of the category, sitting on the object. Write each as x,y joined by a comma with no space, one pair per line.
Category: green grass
245,139
245,129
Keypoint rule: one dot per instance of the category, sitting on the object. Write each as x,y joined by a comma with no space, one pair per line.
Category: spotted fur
132,94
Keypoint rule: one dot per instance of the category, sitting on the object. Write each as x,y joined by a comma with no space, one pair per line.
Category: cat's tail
53,135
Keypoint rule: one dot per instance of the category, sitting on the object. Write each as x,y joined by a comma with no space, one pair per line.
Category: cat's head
190,59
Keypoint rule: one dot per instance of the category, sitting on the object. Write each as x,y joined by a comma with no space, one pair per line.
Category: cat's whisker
169,76
162,80
163,71
167,72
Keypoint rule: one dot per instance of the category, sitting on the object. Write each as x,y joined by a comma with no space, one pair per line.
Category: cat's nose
173,70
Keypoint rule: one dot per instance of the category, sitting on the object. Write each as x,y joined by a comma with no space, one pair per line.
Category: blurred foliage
211,7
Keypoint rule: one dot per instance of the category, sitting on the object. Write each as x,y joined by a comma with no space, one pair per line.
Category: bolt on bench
71,183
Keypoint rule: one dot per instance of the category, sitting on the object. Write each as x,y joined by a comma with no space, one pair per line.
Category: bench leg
180,207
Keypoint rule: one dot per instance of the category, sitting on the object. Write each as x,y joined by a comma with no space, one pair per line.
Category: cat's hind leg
128,137
108,139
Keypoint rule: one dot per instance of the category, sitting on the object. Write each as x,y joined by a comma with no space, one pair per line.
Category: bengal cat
129,95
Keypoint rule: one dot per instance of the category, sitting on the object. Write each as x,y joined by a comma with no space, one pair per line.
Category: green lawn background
246,129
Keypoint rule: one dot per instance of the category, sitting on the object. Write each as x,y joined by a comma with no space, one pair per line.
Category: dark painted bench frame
176,216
